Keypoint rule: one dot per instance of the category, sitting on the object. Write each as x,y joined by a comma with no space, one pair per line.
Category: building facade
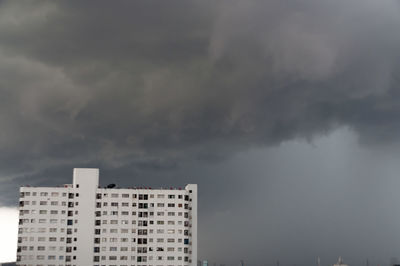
81,224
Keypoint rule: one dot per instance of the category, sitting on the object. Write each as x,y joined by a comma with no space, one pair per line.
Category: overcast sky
286,113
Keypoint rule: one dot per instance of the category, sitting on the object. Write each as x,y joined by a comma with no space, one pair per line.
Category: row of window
38,257
142,196
104,222
105,249
42,194
104,195
105,240
140,241
105,204
140,214
141,223
139,258
94,265
140,205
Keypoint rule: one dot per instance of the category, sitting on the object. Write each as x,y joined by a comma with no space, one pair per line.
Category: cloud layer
145,90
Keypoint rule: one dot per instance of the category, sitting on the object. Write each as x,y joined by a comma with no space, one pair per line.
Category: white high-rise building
81,224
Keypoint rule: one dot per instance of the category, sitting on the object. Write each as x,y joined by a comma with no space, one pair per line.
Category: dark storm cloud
148,89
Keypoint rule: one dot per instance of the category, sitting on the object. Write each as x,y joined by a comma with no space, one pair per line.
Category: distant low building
340,262
8,264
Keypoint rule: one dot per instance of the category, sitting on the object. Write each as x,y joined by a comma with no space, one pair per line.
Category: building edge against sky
81,224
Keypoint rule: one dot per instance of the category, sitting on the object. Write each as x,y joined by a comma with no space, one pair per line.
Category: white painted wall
126,216
85,183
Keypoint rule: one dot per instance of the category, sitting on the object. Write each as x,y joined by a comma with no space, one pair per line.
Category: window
142,223
43,194
142,240
143,205
43,203
171,205
54,194
142,232
141,259
143,197
160,196
142,250
114,195
143,214
171,196
125,195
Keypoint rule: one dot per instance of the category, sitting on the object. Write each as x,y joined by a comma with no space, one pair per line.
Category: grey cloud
167,92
